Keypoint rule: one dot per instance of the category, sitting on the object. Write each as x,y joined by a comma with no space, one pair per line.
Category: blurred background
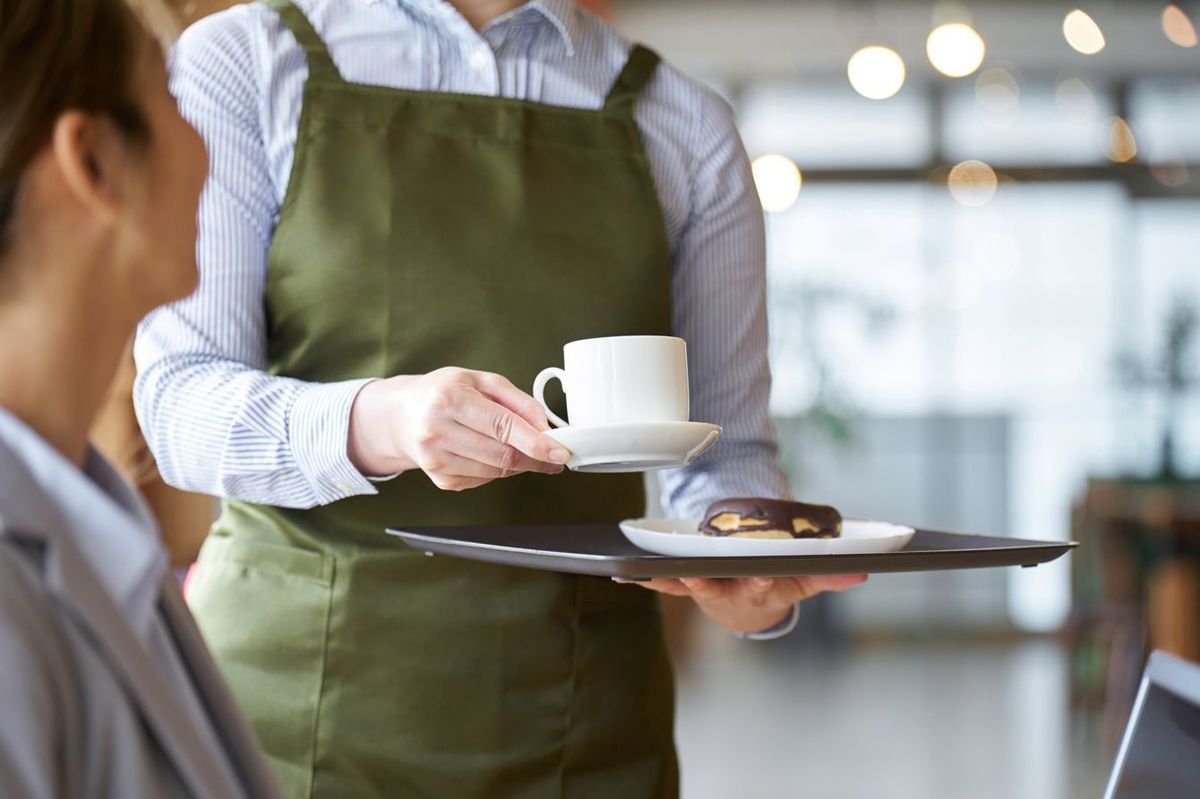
984,234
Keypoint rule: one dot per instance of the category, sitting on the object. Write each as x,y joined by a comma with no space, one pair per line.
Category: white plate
681,538
638,447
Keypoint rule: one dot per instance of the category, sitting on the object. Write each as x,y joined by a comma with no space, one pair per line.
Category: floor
893,721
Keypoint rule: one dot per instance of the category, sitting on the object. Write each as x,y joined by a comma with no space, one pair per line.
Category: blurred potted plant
1170,375
800,312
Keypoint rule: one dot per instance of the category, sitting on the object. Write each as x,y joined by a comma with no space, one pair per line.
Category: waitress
412,205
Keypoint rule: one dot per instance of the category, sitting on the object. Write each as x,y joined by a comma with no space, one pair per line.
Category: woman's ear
92,161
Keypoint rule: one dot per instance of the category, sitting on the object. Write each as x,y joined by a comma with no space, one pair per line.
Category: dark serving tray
601,549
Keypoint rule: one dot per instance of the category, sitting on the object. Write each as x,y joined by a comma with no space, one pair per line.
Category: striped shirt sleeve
719,289
216,421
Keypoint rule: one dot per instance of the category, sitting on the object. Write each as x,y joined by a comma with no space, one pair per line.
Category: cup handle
703,446
539,386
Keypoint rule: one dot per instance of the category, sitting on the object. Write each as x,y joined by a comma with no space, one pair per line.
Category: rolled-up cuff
785,626
319,434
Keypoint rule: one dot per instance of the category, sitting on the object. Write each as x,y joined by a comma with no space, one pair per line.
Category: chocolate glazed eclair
752,517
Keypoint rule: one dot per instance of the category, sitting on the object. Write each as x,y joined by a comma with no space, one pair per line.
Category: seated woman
107,687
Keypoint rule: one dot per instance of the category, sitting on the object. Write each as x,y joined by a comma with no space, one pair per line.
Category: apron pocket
244,594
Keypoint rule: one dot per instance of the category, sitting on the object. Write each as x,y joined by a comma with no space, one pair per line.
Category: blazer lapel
87,605
240,742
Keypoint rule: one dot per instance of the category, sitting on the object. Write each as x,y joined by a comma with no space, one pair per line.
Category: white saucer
681,538
635,447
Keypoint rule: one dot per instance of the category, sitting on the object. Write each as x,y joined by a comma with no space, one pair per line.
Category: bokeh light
972,182
1121,144
1177,27
1074,96
1082,32
996,90
955,49
876,72
778,181
1171,173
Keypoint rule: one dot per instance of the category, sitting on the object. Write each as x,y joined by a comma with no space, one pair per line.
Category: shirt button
478,60
345,488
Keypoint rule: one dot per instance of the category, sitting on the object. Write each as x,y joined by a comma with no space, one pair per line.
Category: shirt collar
561,14
46,496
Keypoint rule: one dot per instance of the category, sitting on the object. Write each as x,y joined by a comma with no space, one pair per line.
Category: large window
891,299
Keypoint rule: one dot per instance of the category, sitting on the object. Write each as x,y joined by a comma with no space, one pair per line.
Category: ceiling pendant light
955,49
1082,32
1177,27
876,72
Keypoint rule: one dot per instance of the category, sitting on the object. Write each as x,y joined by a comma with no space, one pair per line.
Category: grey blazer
84,712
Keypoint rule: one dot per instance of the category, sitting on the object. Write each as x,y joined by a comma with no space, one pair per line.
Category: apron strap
320,64
633,78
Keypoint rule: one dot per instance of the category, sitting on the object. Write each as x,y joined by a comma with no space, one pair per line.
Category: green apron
421,230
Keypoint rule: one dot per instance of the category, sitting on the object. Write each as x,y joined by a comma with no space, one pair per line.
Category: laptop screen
1159,757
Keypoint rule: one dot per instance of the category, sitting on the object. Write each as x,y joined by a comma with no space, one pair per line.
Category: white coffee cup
620,379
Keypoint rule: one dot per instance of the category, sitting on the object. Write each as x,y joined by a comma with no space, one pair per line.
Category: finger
452,465
447,482
503,460
760,586
807,587
663,585
838,582
497,422
706,589
500,388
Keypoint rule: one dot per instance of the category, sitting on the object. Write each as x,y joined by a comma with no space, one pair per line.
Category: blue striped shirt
218,423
